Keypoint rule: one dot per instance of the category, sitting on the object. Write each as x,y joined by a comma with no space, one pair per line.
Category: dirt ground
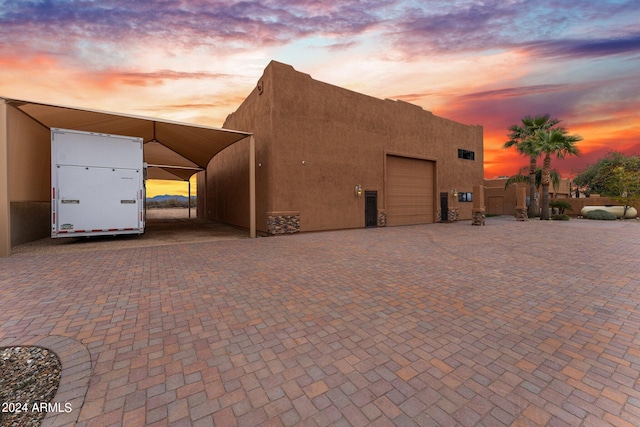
163,227
172,213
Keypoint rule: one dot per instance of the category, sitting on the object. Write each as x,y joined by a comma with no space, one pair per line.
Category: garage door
409,191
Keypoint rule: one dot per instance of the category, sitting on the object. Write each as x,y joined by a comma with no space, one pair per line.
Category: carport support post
252,187
521,203
477,212
204,195
5,228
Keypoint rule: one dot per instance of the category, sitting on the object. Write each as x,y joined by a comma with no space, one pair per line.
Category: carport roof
173,150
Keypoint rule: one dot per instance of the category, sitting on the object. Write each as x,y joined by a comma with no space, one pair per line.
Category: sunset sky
477,62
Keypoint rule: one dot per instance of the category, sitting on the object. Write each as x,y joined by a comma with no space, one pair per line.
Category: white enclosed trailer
97,184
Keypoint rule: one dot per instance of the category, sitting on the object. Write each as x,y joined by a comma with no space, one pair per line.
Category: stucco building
306,156
330,158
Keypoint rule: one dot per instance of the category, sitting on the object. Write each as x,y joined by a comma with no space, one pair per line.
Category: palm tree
555,142
521,136
554,176
521,176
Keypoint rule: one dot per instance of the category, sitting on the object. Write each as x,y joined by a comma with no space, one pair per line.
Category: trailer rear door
97,184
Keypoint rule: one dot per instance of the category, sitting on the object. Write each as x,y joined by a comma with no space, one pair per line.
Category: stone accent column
477,212
454,209
283,222
382,218
521,204
478,217
453,214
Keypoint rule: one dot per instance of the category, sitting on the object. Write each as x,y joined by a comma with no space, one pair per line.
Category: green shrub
601,214
560,217
561,205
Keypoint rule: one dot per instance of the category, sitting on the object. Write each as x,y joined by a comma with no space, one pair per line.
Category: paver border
75,361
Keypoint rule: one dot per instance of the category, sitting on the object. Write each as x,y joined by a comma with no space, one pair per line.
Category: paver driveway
513,323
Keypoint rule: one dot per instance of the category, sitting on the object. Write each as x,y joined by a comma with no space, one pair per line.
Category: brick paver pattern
533,323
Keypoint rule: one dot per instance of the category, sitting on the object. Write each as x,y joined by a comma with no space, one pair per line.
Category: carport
172,150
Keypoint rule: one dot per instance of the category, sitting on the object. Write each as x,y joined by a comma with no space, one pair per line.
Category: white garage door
410,197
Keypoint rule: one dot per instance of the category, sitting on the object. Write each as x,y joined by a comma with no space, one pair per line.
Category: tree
623,186
556,142
521,136
593,179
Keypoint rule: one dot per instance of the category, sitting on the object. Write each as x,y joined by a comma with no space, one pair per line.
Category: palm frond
516,179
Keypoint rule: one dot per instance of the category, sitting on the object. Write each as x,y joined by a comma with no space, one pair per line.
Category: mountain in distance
170,201
165,197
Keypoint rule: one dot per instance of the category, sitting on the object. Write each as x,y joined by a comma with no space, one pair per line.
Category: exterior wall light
454,192
358,190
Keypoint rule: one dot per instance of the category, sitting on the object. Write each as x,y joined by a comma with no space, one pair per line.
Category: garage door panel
409,191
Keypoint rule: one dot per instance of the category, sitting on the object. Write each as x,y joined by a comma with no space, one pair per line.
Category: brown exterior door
410,196
444,207
496,205
370,209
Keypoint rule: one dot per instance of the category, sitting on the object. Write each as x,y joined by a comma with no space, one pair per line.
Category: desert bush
601,214
170,203
560,217
561,205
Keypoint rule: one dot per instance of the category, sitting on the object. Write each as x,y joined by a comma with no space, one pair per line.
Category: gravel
29,376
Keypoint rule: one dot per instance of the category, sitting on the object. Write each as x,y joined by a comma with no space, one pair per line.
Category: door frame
444,207
367,195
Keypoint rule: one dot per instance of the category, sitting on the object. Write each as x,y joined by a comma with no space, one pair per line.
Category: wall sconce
454,192
358,190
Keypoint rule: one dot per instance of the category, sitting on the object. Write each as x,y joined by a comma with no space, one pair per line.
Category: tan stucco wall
5,217
494,191
30,154
29,171
501,201
315,142
228,172
578,204
498,200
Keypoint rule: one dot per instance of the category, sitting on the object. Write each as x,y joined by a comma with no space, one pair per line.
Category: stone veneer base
382,218
478,217
453,215
283,222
